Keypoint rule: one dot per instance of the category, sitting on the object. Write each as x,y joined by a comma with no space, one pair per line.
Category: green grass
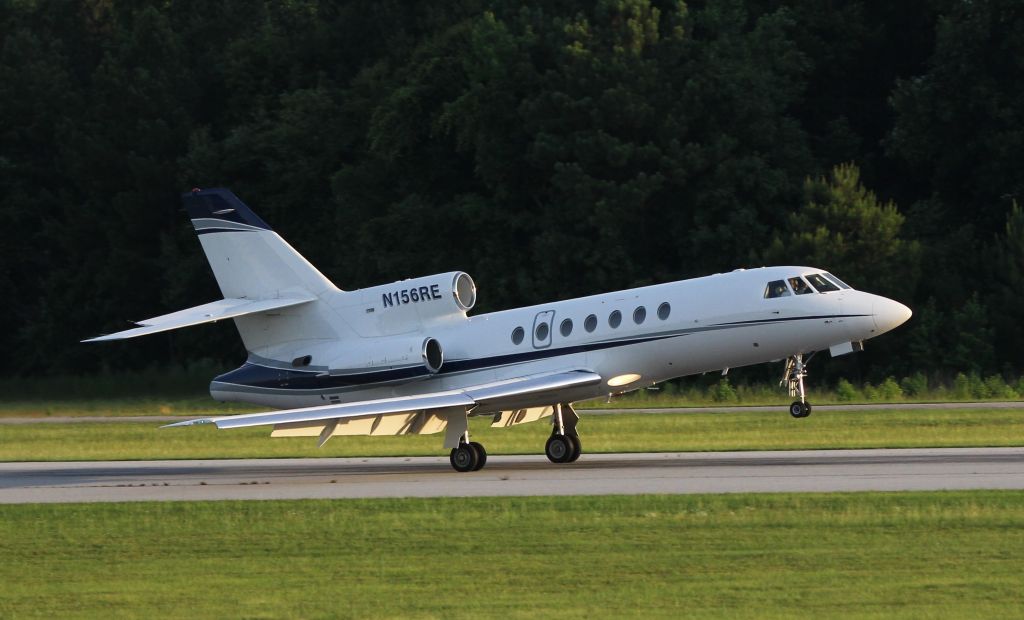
899,555
196,402
634,432
125,406
723,394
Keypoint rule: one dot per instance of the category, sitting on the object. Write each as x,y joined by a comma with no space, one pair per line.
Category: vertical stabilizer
250,261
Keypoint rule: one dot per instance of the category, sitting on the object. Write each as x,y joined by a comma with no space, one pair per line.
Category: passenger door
542,329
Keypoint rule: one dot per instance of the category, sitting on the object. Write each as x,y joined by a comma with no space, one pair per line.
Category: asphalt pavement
341,478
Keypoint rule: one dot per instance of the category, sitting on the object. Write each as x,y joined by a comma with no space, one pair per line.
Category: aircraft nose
889,314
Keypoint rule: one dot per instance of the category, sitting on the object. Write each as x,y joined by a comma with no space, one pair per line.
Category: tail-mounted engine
413,304
455,291
388,353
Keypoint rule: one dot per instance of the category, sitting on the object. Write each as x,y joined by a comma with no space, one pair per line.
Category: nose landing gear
793,378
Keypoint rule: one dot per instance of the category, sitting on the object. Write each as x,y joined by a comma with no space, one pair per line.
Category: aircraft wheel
464,458
800,409
559,448
481,455
807,409
577,449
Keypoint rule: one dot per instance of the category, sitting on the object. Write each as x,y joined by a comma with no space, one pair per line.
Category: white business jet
405,358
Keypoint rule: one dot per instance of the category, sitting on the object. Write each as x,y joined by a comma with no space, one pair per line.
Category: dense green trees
843,225
551,149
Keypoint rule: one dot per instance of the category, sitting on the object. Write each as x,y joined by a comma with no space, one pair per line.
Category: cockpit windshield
837,281
822,285
819,283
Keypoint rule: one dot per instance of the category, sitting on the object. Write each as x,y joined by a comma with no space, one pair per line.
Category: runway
709,472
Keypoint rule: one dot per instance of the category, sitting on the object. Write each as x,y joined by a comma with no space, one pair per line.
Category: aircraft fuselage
632,338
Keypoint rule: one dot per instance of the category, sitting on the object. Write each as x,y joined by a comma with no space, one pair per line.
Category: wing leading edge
489,394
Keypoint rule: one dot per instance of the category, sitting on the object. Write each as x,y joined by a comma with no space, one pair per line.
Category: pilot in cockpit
799,286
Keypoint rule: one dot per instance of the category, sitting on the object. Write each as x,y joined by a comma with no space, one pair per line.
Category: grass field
127,406
773,430
184,391
902,555
202,404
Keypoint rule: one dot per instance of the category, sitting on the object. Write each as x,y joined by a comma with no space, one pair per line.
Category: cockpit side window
776,288
799,286
819,282
836,280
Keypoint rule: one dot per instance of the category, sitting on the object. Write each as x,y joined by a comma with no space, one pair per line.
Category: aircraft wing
491,394
206,313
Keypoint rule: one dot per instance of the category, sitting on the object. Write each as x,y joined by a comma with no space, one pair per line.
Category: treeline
551,149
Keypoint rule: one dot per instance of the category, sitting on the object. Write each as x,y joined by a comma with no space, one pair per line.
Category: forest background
551,149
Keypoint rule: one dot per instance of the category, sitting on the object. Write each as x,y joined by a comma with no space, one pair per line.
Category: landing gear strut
468,456
564,444
793,378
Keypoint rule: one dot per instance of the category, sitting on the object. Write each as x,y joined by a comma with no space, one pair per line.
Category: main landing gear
469,456
793,378
564,444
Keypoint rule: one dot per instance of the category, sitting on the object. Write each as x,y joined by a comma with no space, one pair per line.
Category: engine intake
433,356
464,290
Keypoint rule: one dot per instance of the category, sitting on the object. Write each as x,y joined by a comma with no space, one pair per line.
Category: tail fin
279,301
249,260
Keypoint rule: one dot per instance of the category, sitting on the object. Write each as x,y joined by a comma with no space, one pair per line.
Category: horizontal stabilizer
207,313
491,393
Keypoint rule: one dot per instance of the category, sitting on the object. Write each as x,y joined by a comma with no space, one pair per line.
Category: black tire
807,410
577,449
796,409
464,458
481,455
559,449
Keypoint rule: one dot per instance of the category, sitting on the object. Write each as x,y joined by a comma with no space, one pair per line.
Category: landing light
623,380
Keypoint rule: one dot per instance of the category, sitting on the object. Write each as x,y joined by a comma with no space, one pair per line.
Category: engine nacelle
390,353
455,290
406,306
412,304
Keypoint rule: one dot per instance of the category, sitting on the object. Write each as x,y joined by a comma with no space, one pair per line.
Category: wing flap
521,416
206,313
425,422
